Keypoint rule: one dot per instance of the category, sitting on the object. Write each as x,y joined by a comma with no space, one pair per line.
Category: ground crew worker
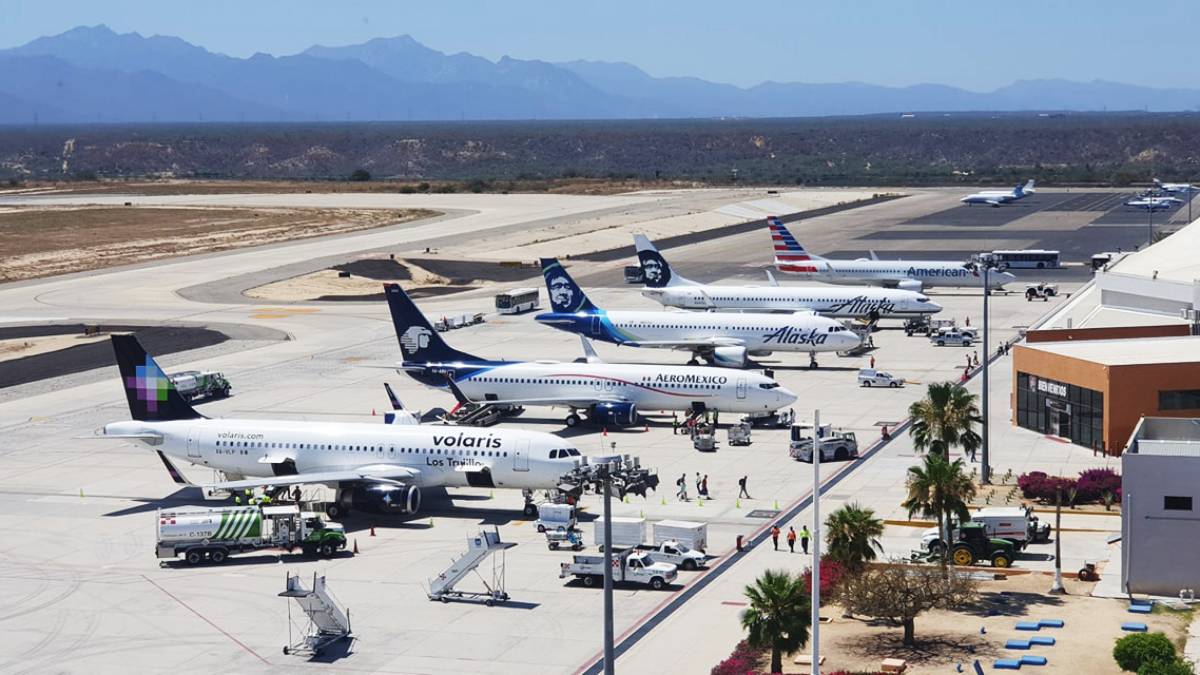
872,362
249,495
237,499
704,486
775,536
791,539
804,539
266,499
742,486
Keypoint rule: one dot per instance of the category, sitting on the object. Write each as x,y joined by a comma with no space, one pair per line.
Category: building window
1177,503
1179,399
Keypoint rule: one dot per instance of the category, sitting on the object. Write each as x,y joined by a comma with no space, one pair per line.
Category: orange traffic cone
355,547
372,412
372,531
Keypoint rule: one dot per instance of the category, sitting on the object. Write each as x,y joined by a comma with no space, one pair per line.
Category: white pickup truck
675,553
835,444
953,336
631,566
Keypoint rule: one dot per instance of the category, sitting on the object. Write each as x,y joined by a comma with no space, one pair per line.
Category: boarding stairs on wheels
327,621
481,547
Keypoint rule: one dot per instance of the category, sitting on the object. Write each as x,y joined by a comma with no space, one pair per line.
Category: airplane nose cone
784,397
931,307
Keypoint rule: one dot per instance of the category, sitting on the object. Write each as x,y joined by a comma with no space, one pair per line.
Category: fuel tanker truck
205,534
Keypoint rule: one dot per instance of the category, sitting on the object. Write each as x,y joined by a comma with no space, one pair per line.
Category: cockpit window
768,385
553,454
922,299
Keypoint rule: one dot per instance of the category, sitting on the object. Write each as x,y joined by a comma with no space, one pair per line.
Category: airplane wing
381,473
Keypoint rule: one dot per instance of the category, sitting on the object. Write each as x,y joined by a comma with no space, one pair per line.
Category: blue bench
1141,607
1007,664
1134,627
1029,625
1044,640
1033,660
1017,644
1052,623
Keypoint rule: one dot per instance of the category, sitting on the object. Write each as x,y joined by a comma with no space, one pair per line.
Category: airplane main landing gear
573,420
812,361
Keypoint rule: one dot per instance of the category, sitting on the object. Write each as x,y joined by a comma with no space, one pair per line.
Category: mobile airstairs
479,548
327,621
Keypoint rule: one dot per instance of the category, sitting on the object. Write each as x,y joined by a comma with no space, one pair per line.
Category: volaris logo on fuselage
791,336
464,441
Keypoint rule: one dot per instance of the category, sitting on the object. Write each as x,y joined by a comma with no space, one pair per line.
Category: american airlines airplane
1174,188
606,393
998,197
672,290
913,275
376,467
722,339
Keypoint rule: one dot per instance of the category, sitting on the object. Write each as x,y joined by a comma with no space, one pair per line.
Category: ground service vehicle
211,534
517,300
687,532
973,545
631,566
194,384
953,336
1040,291
869,377
835,445
626,532
739,434
1014,523
555,517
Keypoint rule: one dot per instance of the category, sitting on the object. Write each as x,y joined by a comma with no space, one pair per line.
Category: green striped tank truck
202,534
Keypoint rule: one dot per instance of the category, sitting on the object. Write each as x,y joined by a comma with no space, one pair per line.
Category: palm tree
945,418
852,535
939,489
778,615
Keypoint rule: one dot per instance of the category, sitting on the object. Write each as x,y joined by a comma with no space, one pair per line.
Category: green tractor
973,545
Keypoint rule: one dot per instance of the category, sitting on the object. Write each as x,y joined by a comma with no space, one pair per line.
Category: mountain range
93,74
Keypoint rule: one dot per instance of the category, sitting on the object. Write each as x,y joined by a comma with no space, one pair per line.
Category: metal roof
1127,352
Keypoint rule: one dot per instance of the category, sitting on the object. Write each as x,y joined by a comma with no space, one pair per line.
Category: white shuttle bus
517,300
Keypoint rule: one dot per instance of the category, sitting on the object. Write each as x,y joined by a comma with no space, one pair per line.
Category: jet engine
387,498
730,357
909,285
614,414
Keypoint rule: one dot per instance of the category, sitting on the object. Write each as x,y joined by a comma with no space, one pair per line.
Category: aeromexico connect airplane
999,197
377,467
672,290
913,275
722,339
606,393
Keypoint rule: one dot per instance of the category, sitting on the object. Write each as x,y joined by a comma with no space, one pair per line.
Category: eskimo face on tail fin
151,394
655,268
418,340
565,295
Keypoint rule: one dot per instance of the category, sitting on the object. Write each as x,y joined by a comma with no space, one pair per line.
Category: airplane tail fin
418,340
1019,190
1029,186
565,295
151,394
655,267
788,251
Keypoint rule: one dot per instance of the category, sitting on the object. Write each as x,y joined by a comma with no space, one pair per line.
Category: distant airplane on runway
1154,203
667,287
999,197
913,275
1174,188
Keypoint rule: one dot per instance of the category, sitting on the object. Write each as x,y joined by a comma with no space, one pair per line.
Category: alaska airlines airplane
913,275
377,467
606,393
1174,188
672,290
723,339
998,197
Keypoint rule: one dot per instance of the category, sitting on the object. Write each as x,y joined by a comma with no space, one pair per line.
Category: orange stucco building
1094,391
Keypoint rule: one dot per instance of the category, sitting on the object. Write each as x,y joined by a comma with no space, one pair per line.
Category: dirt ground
40,241
22,347
946,639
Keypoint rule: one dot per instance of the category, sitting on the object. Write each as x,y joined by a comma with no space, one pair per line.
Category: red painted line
205,619
1056,439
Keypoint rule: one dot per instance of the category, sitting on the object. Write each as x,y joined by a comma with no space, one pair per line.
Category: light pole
816,544
606,481
986,262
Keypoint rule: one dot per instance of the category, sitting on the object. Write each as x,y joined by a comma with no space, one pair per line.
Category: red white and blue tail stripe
790,256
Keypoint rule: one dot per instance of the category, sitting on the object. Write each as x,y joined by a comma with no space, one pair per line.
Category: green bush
360,176
1176,667
1132,652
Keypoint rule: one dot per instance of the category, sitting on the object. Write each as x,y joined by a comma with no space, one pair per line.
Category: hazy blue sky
975,45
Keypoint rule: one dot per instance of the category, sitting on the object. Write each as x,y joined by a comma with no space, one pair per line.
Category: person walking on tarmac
742,487
804,534
775,536
704,486
791,539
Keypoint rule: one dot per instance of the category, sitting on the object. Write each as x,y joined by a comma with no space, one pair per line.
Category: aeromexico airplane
1174,188
723,339
378,467
913,275
999,197
672,290
606,393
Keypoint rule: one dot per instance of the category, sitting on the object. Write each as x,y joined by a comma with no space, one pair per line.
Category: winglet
873,256
589,352
176,474
771,278
396,404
